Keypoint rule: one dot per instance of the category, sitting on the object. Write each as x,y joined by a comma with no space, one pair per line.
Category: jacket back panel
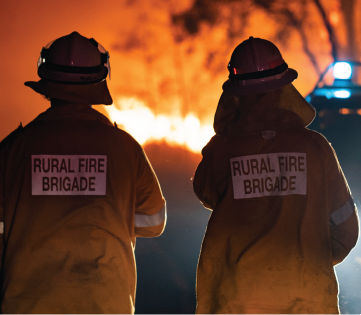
270,253
73,253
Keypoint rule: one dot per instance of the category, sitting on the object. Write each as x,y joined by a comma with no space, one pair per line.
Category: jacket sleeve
344,229
150,206
2,208
204,178
3,144
343,219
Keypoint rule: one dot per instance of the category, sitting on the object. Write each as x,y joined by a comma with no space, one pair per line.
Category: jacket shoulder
317,138
127,138
11,137
315,134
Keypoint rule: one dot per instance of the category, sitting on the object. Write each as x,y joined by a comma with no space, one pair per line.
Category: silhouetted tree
290,15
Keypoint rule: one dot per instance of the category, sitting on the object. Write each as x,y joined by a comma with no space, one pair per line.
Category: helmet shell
73,59
257,66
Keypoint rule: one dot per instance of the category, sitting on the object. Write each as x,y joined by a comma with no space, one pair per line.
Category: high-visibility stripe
342,214
1,227
143,220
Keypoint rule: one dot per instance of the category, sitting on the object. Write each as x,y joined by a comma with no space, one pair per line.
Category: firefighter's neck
54,102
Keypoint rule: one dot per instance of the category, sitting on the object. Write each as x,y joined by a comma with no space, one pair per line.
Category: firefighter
283,214
75,192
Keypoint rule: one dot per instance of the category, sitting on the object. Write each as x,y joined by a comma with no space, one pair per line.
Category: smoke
171,56
202,11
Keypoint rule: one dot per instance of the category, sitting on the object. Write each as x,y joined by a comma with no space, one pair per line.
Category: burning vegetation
173,58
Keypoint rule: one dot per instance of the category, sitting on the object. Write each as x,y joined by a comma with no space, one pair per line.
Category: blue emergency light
331,93
342,87
342,93
342,71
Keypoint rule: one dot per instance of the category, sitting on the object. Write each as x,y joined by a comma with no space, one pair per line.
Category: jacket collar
72,111
283,108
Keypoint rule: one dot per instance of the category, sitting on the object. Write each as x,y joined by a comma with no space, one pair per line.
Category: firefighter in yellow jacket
283,214
75,192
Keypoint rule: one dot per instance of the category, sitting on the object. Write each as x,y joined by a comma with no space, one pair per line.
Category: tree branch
328,26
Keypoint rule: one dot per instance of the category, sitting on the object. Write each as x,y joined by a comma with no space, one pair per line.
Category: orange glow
323,34
359,111
345,111
145,126
334,18
178,75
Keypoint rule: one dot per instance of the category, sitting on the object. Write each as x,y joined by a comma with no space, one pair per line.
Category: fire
132,115
334,18
344,111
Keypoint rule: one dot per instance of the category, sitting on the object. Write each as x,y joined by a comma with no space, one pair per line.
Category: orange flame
344,111
334,18
145,126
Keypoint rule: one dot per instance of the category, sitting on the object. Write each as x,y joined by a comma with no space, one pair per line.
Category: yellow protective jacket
282,217
75,192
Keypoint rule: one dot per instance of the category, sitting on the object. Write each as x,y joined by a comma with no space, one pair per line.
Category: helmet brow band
259,74
104,57
73,69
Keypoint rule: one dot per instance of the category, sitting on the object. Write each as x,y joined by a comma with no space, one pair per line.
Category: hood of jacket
282,108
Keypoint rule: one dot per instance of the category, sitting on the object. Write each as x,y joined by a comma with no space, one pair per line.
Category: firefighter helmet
74,59
257,66
74,68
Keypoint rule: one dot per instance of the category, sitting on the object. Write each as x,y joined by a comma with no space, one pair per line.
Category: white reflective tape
1,227
342,214
143,220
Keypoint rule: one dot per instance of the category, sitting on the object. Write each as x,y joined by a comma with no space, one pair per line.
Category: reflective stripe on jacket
75,192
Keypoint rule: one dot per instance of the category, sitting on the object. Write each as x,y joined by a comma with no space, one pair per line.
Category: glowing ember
145,126
344,111
334,18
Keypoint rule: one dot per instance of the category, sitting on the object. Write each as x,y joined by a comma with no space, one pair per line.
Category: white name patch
273,174
69,174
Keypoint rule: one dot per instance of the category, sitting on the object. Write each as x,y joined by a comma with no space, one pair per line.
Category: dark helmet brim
93,94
